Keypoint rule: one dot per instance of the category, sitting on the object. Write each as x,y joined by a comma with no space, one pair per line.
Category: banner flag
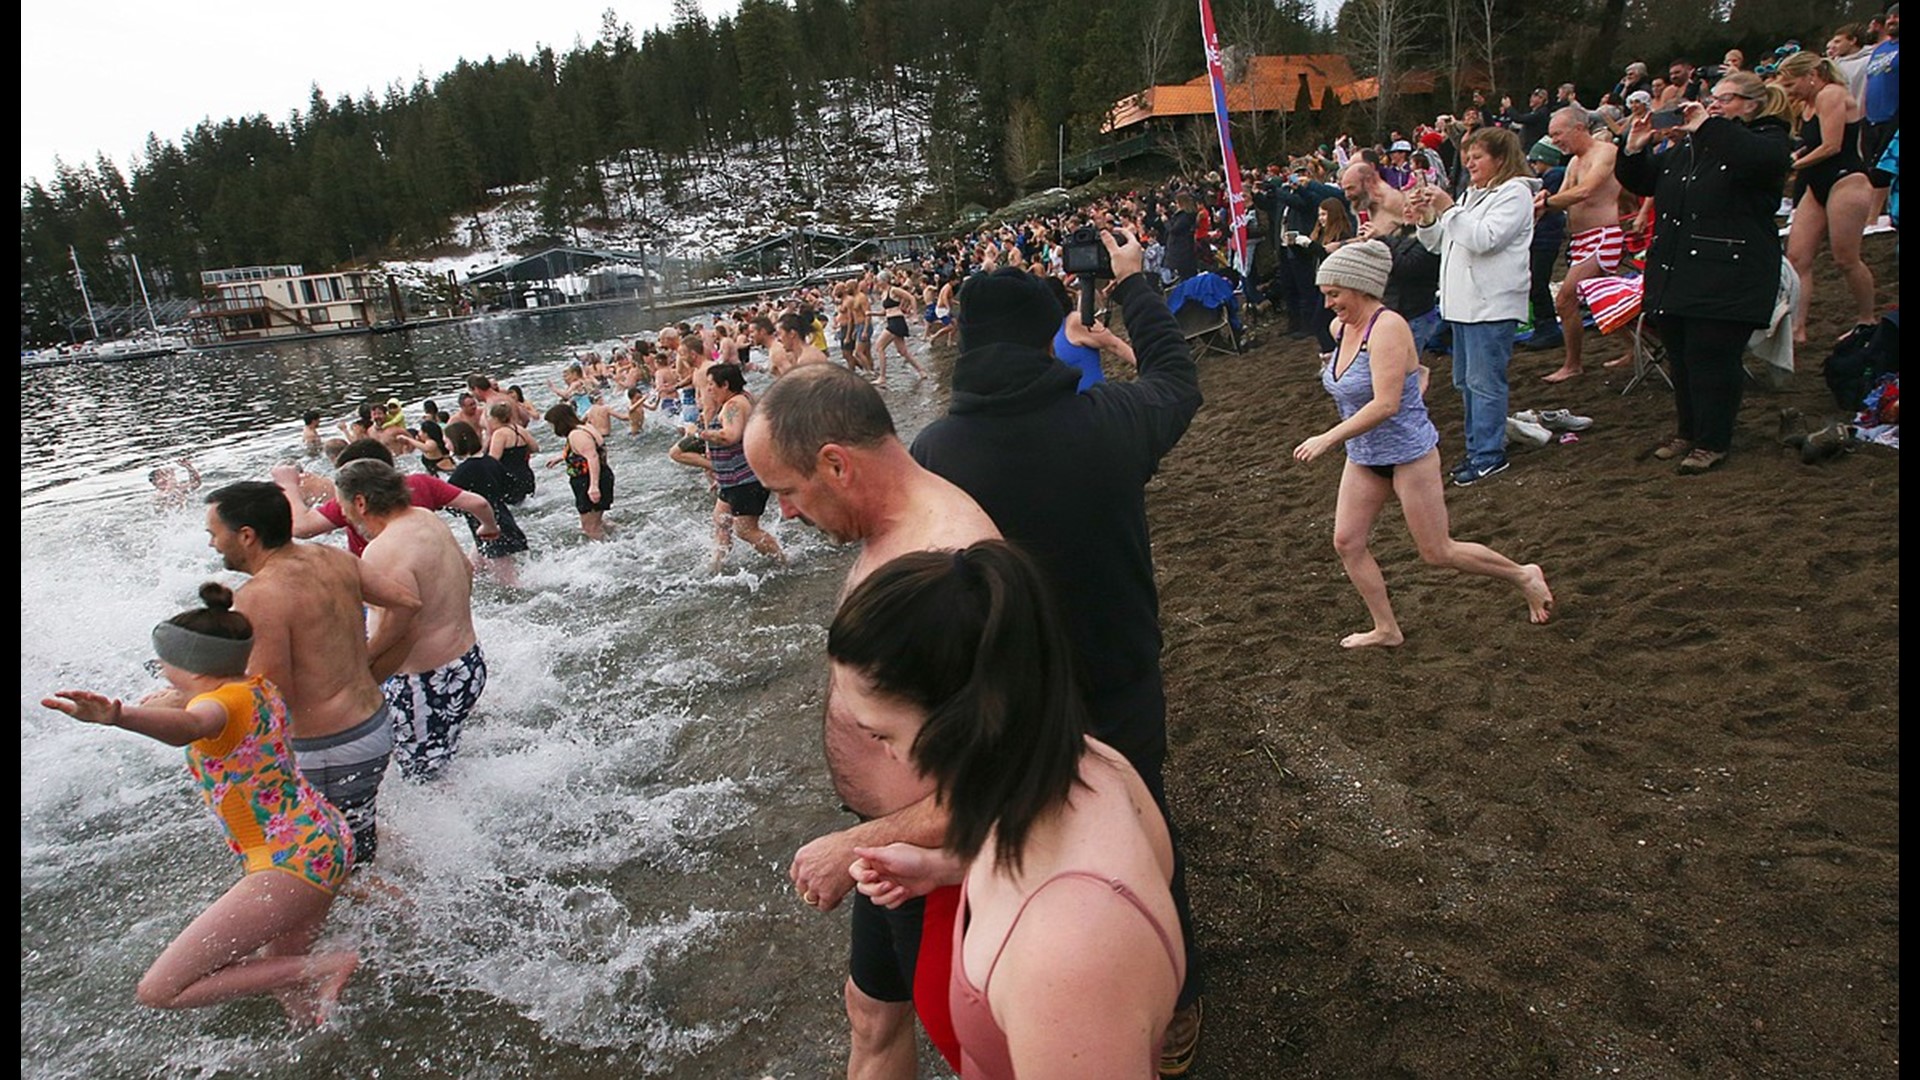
1239,213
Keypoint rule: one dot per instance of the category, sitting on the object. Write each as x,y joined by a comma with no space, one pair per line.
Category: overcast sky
97,75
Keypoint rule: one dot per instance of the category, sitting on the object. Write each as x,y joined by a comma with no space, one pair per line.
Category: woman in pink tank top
1066,955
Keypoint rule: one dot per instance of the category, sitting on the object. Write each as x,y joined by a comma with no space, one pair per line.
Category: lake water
598,886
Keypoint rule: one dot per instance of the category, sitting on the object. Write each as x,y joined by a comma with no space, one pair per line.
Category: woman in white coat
1483,241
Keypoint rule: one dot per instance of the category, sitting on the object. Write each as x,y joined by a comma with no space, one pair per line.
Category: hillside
860,167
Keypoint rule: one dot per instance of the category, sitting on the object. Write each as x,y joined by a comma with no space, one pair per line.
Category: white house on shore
258,303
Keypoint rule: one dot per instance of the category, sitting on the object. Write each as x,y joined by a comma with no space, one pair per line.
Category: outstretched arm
307,522
175,727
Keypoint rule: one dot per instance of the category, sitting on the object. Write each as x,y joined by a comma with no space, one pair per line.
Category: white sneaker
1562,420
1526,431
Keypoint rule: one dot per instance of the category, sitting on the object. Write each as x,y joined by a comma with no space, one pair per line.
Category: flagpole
1236,192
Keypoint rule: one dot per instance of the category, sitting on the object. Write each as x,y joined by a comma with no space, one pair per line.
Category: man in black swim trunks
821,441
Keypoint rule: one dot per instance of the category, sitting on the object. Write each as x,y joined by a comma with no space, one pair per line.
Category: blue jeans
1481,352
1425,329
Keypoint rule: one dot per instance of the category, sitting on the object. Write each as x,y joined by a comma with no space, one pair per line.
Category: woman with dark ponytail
1066,949
294,847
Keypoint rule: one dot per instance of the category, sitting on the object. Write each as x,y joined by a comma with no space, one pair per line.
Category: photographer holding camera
1063,474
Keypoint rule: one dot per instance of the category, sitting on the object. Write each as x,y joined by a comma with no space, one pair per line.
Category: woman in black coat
1713,268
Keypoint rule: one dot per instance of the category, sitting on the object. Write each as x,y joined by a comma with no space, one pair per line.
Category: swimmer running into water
294,847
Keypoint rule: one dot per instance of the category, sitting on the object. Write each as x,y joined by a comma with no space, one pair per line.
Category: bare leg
505,571
1847,208
1567,305
762,540
722,535
1362,495
593,526
253,940
1803,240
1424,502
880,354
882,1037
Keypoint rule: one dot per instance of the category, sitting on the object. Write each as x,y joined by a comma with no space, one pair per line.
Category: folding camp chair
1614,303
1203,306
1649,356
1206,329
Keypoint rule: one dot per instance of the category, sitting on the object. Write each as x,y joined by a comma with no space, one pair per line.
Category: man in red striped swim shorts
1591,197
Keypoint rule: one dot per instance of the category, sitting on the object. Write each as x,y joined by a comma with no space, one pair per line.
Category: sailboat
141,345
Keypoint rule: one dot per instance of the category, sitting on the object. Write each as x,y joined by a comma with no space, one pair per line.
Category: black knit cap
1008,306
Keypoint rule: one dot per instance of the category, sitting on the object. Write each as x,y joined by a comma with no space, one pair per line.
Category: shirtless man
432,663
1372,197
310,640
1591,197
310,437
761,332
792,336
859,315
822,443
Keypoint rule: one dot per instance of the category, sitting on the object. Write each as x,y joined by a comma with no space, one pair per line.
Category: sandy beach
1657,837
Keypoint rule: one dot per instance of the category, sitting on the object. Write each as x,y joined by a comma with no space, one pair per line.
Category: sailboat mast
142,279
84,298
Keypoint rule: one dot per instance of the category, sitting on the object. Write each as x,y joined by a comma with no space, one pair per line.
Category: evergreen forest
350,180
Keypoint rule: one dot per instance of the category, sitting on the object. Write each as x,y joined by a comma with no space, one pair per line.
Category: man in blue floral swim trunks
435,672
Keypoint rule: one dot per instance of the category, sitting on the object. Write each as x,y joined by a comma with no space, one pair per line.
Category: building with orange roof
1270,84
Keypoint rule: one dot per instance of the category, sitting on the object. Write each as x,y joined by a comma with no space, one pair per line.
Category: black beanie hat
1008,306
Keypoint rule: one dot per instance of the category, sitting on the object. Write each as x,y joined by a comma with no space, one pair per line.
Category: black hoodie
1063,474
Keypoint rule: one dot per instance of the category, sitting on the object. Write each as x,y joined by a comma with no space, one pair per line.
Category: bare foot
1619,361
1386,638
1563,375
1539,597
327,975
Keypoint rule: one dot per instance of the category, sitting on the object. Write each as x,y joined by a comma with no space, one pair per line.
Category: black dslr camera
1084,254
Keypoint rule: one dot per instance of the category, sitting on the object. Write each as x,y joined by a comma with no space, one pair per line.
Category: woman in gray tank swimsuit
1392,447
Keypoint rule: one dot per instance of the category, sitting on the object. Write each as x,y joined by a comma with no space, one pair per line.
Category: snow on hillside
865,158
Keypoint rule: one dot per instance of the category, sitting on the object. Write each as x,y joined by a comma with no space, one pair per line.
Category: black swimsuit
1820,177
519,472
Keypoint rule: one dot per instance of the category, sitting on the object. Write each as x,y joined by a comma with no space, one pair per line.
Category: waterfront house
261,303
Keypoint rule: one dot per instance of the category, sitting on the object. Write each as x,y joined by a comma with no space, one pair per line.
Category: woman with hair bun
1066,953
294,847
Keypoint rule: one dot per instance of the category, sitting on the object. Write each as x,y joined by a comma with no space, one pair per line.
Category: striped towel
1614,301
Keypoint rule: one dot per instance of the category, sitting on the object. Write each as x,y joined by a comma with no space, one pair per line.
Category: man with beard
307,606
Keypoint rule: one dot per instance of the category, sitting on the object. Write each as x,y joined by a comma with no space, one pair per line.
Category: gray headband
202,654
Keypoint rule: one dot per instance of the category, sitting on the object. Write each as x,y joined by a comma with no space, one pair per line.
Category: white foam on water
590,878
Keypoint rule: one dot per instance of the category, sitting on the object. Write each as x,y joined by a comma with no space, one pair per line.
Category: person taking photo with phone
1713,268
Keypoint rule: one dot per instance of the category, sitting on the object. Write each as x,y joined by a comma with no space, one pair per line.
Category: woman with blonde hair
1831,192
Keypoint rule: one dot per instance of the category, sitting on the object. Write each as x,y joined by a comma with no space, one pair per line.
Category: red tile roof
1270,84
